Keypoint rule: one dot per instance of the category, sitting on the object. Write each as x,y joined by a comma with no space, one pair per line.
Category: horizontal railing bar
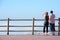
42,31
20,31
23,26
16,30
43,19
3,20
20,19
23,19
42,26
3,26
24,31
3,30
20,26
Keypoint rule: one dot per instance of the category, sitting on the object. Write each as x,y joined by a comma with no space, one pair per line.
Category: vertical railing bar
58,26
8,27
33,26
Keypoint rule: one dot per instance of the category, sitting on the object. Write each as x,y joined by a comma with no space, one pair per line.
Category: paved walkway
29,37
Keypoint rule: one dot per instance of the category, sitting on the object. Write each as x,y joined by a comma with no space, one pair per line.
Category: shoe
46,34
51,34
43,34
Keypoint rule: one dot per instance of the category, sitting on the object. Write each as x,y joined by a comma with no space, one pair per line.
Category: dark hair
46,13
51,11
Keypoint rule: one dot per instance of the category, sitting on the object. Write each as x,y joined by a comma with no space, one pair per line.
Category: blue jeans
52,27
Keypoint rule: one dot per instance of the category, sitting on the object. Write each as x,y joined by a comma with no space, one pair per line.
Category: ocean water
22,23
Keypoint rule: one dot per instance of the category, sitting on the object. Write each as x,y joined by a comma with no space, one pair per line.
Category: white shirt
52,18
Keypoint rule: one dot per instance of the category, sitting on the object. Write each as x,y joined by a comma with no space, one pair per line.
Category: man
52,22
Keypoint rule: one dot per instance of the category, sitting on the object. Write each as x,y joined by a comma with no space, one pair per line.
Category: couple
49,20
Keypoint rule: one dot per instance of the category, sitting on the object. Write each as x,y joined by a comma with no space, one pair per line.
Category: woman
46,23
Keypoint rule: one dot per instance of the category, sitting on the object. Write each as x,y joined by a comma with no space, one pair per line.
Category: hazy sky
28,8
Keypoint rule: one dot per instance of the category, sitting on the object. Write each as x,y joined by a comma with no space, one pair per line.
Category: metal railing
33,20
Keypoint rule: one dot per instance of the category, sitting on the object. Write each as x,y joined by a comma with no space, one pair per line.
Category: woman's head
46,13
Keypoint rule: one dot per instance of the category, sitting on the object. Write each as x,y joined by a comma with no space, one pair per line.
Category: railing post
58,26
33,26
8,27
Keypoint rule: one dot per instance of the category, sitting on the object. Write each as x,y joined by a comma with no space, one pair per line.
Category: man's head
51,12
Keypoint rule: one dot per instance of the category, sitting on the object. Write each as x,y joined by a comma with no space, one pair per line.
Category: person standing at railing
52,22
46,23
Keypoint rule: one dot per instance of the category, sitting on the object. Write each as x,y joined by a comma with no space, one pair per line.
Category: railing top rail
24,19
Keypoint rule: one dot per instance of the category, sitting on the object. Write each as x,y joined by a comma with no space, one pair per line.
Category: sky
28,8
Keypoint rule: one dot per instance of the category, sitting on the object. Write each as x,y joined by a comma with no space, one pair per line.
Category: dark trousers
45,27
